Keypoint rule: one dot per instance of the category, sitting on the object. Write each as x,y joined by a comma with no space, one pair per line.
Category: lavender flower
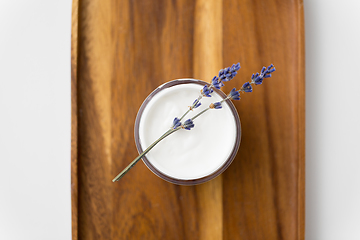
265,73
246,87
188,124
216,105
234,95
196,104
217,83
176,123
229,73
206,91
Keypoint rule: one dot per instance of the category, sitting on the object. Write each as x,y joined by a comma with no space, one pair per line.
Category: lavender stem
123,172
192,106
197,115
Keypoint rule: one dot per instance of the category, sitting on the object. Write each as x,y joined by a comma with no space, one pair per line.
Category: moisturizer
187,154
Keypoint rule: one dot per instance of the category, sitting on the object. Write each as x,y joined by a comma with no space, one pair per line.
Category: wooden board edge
301,122
74,120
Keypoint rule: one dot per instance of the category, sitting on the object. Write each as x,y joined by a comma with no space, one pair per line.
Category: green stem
192,106
185,114
120,175
203,111
225,99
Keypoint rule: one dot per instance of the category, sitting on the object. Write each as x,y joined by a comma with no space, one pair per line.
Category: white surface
333,119
35,119
194,154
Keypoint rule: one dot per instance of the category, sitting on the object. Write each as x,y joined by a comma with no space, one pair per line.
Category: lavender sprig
224,75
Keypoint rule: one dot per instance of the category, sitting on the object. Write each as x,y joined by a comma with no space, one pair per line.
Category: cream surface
187,154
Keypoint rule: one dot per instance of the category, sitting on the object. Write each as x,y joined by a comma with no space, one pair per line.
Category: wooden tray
121,51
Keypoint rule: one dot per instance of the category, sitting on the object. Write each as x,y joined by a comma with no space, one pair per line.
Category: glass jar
187,157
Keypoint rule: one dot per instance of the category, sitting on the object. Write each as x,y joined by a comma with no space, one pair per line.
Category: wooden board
121,51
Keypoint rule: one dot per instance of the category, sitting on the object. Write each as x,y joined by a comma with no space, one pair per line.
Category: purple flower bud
188,124
265,73
176,123
234,95
221,72
247,87
272,70
217,105
229,73
196,103
263,70
258,80
217,83
206,91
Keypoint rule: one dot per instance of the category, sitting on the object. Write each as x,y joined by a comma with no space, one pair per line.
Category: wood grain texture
121,51
74,122
208,56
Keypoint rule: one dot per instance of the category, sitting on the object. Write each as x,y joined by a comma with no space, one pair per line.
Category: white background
333,119
35,119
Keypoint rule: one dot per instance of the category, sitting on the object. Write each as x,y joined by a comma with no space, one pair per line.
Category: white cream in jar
188,154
